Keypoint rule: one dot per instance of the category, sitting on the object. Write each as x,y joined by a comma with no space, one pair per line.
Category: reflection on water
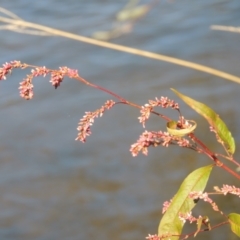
55,188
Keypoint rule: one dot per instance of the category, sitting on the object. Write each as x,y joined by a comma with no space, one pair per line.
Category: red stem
212,155
123,100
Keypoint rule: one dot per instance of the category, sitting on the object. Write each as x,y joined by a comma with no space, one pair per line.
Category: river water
53,187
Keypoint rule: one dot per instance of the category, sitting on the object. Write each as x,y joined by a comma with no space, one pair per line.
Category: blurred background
53,187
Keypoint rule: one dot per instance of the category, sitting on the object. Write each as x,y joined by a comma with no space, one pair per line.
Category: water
55,188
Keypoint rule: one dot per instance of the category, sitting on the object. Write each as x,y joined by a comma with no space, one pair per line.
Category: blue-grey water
52,187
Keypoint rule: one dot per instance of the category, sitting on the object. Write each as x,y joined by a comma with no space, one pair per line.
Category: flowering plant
178,211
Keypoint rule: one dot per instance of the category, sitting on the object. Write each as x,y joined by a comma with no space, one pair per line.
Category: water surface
53,187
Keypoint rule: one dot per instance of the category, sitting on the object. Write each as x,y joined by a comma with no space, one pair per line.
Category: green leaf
234,220
171,128
213,119
181,203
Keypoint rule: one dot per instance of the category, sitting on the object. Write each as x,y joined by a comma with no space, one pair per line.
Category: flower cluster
200,220
57,76
161,237
8,67
212,129
88,119
40,71
148,139
155,139
166,205
153,237
230,189
187,217
163,102
145,113
26,88
204,196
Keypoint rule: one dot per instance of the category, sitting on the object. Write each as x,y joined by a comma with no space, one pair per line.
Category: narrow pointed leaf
234,220
213,119
181,203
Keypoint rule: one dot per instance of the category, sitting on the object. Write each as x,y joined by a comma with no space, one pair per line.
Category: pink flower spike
166,205
56,78
88,119
230,189
187,217
155,139
26,88
205,198
145,113
7,68
164,102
